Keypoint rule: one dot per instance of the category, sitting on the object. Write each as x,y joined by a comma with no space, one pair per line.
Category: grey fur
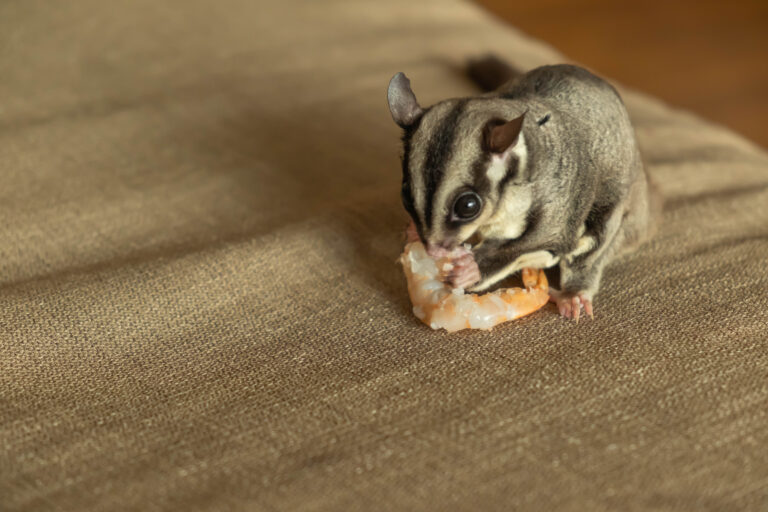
575,191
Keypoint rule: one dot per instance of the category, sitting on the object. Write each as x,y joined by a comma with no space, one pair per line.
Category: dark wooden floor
710,57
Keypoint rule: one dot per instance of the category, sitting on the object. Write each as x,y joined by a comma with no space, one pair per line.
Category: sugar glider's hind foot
490,72
570,304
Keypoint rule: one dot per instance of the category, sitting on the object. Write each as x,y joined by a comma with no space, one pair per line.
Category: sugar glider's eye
467,206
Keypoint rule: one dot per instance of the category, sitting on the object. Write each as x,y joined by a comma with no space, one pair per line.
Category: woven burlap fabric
200,307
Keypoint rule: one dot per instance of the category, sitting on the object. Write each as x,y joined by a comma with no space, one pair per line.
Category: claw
576,304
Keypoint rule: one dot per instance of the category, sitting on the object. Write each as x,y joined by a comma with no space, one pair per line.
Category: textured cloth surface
200,307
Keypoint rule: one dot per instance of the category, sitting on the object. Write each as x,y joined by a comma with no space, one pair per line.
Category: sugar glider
543,171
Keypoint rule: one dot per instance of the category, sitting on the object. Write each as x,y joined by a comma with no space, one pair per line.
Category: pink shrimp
439,306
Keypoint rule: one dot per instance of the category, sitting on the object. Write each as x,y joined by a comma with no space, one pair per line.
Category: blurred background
710,57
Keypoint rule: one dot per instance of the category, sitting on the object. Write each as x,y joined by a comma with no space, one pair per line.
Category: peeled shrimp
439,306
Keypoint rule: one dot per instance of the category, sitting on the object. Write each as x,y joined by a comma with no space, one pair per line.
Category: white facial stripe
497,169
509,219
520,150
537,259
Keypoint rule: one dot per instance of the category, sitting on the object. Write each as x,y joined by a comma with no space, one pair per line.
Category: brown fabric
200,309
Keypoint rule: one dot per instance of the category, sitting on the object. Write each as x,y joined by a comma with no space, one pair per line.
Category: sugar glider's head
463,162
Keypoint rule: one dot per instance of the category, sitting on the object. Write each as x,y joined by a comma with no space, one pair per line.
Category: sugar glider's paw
462,271
569,304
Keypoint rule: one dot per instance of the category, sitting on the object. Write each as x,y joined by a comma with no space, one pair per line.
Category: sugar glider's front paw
570,303
462,271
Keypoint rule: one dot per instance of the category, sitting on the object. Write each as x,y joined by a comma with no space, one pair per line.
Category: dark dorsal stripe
406,192
439,152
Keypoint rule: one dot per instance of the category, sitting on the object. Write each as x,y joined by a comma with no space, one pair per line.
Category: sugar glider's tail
490,72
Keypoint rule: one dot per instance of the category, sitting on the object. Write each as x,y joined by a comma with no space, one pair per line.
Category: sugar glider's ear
500,135
402,102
